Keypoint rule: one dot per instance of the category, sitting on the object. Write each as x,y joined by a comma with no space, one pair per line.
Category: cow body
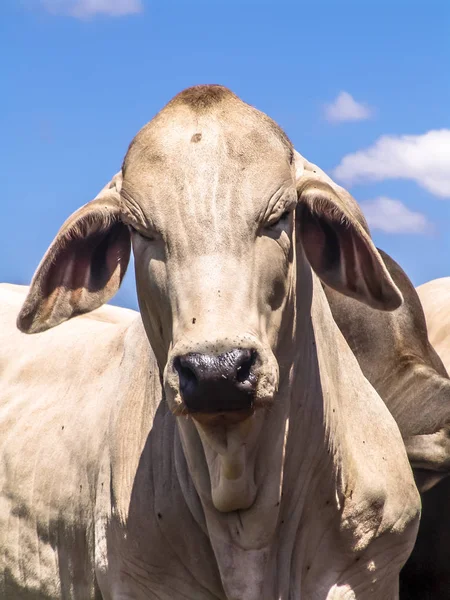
97,500
300,486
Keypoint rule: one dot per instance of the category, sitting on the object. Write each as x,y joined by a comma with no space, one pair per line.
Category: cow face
209,193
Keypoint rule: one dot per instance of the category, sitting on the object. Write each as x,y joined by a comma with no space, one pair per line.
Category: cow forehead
211,108
224,160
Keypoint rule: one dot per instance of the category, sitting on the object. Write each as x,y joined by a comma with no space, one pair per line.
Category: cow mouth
224,418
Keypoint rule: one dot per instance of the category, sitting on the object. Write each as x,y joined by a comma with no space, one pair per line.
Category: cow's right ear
337,242
83,267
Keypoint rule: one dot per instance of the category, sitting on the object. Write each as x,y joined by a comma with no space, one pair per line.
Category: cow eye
283,219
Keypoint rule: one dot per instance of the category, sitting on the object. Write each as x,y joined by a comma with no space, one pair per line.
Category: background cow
427,572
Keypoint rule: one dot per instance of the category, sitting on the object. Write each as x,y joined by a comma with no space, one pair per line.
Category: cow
435,298
426,575
395,354
223,443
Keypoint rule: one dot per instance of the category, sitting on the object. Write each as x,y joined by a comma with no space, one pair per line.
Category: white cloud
392,216
345,108
423,158
88,8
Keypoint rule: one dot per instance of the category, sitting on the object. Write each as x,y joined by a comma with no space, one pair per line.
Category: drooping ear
337,243
83,267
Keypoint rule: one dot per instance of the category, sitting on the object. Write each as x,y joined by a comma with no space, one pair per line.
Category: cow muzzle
218,384
215,387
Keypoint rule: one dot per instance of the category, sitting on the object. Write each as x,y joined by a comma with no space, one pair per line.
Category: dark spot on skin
194,321
81,487
196,138
62,427
327,503
160,329
202,98
282,522
159,516
20,511
278,503
357,558
308,568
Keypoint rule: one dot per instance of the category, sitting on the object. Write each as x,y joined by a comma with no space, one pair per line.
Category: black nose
217,383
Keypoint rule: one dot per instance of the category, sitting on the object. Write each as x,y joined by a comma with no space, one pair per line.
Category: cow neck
241,540
291,454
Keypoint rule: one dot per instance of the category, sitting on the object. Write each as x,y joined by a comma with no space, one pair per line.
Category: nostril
244,370
217,383
187,377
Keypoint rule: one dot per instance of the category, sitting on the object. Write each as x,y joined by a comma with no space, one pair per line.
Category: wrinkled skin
286,491
396,356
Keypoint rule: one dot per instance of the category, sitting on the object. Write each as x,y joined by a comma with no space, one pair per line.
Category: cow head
223,217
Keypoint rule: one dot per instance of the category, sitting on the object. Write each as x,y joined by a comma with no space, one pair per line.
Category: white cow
435,299
272,469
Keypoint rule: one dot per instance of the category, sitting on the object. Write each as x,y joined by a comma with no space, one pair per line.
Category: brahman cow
272,470
396,356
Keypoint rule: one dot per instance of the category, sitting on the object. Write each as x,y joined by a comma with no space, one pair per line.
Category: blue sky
361,88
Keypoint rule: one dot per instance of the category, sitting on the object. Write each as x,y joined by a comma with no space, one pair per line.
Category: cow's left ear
83,267
339,248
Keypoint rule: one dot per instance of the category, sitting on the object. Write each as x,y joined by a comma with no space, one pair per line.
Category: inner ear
320,241
88,263
82,269
343,255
